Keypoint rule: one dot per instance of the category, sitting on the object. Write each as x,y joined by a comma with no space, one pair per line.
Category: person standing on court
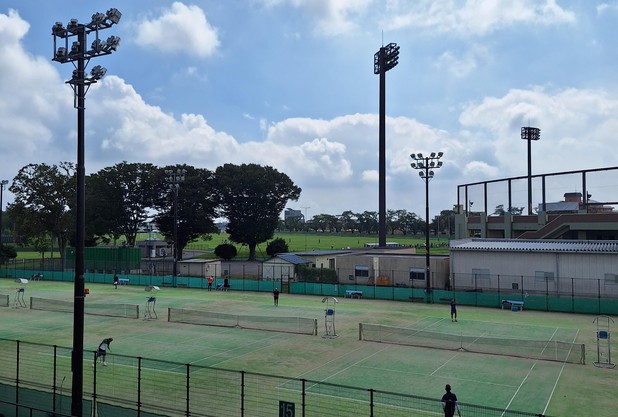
115,281
103,348
453,310
449,403
210,279
276,296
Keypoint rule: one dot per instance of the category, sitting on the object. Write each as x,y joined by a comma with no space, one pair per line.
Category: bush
6,253
226,251
276,246
323,275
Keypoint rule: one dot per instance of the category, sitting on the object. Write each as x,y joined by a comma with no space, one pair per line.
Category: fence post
55,377
17,380
139,386
242,393
303,397
188,411
371,391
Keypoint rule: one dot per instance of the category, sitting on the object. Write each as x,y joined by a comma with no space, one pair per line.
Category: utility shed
559,267
282,267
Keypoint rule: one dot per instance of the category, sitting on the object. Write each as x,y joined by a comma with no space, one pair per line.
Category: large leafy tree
44,198
252,199
118,199
197,206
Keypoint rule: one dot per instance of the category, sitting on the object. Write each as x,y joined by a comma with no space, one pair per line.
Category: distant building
291,214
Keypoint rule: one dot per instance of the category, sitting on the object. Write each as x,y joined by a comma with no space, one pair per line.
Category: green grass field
297,242
551,388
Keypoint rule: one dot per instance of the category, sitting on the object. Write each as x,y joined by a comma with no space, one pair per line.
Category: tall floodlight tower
530,134
79,54
383,60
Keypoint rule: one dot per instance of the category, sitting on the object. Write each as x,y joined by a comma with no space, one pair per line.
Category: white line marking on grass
551,394
444,364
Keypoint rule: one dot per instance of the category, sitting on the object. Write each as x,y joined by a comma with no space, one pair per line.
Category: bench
513,305
353,294
123,281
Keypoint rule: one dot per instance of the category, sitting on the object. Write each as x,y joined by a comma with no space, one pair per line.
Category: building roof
516,245
291,258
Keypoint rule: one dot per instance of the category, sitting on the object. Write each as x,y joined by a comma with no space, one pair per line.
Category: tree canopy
252,198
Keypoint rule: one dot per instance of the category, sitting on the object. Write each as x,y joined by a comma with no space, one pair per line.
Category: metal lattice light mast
79,54
383,60
530,134
174,178
426,165
2,184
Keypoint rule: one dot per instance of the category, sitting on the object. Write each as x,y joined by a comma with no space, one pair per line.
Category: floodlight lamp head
61,54
98,72
432,164
419,155
114,15
421,165
421,174
413,165
440,154
97,45
4,182
72,26
75,48
59,30
112,43
439,164
98,18
433,155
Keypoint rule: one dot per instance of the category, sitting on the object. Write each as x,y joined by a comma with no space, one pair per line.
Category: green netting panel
609,307
488,299
402,294
564,305
586,306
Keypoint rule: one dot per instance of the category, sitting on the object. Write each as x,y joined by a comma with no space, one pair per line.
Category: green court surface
535,386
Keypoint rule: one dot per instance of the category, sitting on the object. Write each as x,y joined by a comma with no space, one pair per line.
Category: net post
315,327
30,303
137,311
168,314
360,331
583,358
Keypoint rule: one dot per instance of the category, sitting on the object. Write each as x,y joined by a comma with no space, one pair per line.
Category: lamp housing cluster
388,61
68,47
426,164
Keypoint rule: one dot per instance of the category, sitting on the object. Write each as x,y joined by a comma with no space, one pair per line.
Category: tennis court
550,387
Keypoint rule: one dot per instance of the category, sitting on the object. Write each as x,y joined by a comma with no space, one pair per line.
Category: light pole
305,224
174,178
383,60
2,184
79,54
426,165
530,134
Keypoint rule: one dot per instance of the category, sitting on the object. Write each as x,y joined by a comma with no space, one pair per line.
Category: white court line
558,379
526,377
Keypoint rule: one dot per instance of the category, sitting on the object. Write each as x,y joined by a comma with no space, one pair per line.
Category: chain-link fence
37,376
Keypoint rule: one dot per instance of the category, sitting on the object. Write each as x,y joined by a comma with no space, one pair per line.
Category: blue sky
290,84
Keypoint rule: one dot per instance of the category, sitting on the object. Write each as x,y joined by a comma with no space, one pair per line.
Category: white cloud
607,8
464,64
180,29
331,17
474,17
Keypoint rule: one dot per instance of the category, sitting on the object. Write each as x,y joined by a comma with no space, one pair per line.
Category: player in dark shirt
449,403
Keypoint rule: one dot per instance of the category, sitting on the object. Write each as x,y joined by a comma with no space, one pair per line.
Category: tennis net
299,325
112,310
4,300
549,350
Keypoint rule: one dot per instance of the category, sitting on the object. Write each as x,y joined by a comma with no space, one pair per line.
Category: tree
348,222
7,252
44,197
226,251
252,199
276,246
118,199
197,205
